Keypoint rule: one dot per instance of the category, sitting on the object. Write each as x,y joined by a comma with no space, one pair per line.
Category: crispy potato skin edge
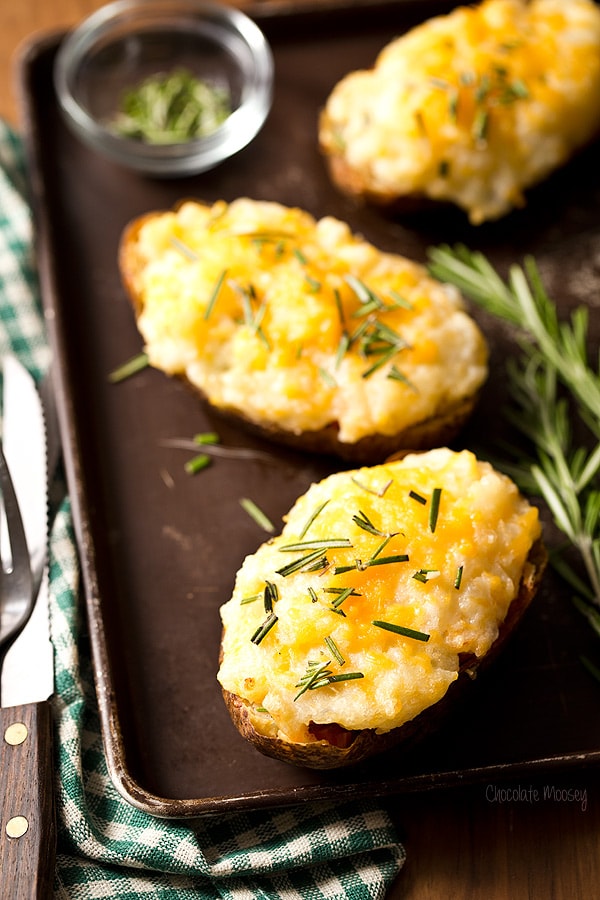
324,755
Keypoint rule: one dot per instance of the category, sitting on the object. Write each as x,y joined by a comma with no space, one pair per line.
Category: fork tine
18,581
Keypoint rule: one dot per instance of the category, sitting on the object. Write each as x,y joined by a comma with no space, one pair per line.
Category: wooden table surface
489,842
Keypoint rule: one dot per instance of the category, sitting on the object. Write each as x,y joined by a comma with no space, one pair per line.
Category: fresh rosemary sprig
553,357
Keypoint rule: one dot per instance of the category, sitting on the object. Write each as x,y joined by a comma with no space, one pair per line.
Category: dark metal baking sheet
159,549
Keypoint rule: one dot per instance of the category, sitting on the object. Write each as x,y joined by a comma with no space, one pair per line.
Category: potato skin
437,430
360,745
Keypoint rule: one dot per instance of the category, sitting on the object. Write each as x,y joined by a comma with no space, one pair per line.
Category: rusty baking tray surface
159,549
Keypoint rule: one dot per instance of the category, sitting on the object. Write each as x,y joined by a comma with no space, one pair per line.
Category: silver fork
16,580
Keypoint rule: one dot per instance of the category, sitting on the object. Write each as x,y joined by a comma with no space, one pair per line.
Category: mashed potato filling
299,323
472,107
381,578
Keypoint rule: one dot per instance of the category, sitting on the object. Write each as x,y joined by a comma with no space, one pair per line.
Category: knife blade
27,819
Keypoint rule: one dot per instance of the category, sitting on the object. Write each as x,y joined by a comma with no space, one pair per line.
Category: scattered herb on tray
556,394
130,367
171,108
256,513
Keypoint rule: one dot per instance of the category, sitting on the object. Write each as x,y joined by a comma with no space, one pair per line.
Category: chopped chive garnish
257,514
458,578
327,377
197,463
418,497
342,349
439,83
386,560
335,650
300,563
312,518
319,675
480,125
383,544
374,561
519,89
342,595
400,629
270,596
343,676
434,509
340,308
482,89
251,319
263,630
264,236
324,544
396,375
425,575
183,248
314,673
313,284
342,590
399,300
133,365
360,289
321,563
453,104
365,487
171,108
206,437
363,521
300,256
215,293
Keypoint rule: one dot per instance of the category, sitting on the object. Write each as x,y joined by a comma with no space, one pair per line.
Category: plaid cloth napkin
107,848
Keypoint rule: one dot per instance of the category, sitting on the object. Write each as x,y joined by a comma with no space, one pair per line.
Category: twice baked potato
301,329
471,108
387,587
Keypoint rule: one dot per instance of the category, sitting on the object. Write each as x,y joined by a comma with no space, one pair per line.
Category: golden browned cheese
299,324
383,579
470,108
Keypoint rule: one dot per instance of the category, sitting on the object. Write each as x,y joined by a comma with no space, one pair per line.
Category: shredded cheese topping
382,554
473,107
299,323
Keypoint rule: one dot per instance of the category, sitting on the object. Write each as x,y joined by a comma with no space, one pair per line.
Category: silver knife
27,817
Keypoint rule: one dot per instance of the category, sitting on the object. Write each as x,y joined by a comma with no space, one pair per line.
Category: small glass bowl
128,41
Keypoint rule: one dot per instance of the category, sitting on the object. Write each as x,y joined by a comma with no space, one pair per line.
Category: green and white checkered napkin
107,848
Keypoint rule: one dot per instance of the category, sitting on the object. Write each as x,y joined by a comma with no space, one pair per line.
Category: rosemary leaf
133,365
554,389
257,514
401,629
197,463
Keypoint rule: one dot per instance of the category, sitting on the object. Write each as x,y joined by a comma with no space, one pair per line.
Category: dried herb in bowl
172,108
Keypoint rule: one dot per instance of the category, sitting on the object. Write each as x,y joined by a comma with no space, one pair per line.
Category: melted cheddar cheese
299,323
472,107
435,543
